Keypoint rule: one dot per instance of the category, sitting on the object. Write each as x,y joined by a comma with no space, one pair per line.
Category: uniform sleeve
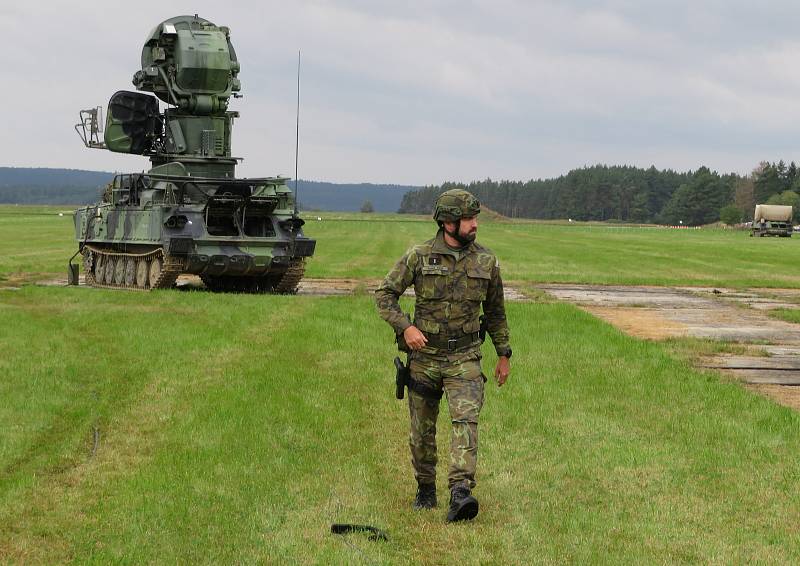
395,283
494,310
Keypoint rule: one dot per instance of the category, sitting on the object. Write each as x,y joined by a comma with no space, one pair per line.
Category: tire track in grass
334,481
206,482
63,505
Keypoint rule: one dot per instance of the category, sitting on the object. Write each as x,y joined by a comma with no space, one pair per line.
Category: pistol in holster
402,378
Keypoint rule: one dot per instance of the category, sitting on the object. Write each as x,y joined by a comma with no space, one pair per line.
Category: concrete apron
308,286
714,313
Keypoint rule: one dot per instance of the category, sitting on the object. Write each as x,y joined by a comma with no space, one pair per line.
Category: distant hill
23,185
316,195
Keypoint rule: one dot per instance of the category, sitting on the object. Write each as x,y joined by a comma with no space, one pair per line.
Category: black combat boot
426,496
463,506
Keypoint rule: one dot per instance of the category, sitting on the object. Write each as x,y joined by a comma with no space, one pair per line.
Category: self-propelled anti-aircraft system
188,214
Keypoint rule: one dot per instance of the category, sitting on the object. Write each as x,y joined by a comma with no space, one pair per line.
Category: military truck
188,213
772,220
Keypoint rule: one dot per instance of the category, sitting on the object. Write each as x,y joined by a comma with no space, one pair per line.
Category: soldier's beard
463,239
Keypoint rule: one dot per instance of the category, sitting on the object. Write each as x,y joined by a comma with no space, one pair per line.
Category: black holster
403,375
403,379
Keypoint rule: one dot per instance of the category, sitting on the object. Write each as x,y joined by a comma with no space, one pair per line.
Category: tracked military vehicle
188,213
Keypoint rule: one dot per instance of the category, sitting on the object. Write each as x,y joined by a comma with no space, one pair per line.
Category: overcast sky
424,92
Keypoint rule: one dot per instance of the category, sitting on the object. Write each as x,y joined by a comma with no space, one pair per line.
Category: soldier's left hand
502,370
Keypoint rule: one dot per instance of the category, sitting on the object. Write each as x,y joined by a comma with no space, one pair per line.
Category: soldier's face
467,229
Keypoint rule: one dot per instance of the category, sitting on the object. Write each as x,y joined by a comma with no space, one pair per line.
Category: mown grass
365,245
35,242
236,428
789,315
581,253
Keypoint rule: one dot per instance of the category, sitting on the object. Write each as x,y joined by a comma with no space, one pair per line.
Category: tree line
630,194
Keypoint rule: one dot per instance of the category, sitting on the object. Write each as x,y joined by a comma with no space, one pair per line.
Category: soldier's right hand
414,338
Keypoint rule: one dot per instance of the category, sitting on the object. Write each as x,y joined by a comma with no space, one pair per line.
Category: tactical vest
449,294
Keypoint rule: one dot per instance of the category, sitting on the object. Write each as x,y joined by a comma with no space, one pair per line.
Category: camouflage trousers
462,380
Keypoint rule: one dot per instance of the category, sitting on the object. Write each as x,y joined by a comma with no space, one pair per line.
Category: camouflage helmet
455,204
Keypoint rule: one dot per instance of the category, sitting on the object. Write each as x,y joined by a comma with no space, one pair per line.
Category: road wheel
155,271
130,272
108,278
119,271
142,271
88,260
99,268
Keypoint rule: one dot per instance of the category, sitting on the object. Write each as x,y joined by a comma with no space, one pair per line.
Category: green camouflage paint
189,209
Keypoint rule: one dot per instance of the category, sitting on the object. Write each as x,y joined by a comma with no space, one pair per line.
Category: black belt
451,344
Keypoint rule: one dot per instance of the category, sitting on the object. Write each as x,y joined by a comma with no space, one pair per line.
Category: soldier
452,276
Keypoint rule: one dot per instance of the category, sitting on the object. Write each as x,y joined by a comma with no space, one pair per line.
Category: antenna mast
297,136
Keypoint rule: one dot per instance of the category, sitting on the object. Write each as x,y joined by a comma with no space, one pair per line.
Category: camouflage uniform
450,286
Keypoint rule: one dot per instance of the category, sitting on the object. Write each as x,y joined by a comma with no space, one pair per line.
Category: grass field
207,428
237,428
363,246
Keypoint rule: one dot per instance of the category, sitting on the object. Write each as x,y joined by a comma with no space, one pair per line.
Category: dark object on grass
345,528
463,506
72,272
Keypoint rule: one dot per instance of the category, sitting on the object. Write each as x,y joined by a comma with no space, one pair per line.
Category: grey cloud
437,90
